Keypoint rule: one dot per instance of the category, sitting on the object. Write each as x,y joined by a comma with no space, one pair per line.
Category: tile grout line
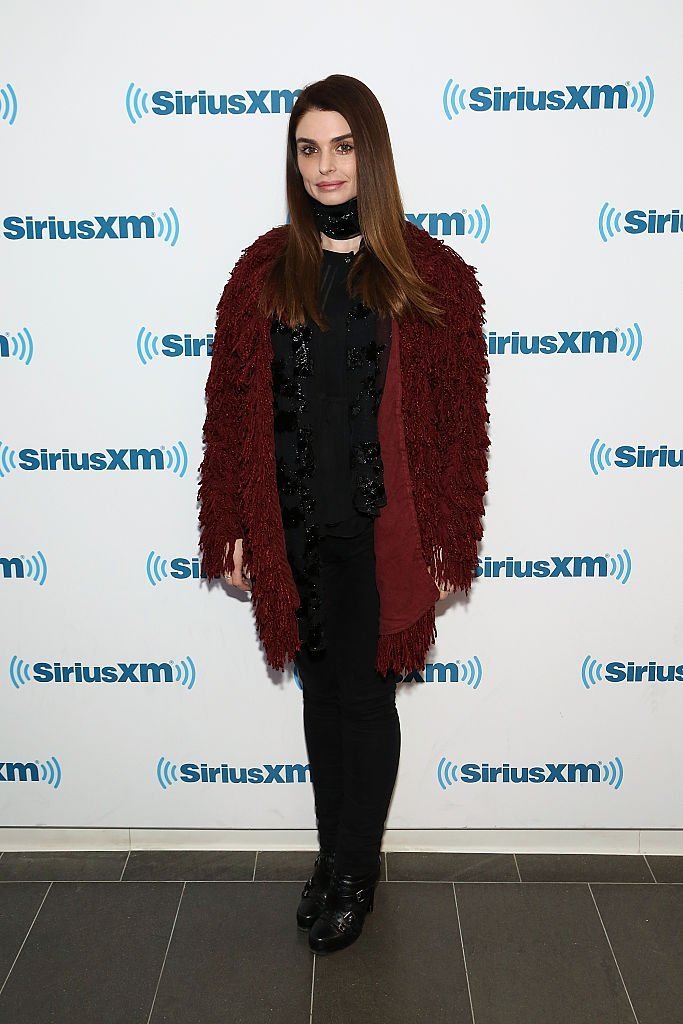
26,937
649,868
394,881
125,865
464,957
386,867
253,877
514,857
310,1015
616,962
168,946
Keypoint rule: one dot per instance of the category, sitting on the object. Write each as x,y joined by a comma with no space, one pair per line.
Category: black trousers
351,722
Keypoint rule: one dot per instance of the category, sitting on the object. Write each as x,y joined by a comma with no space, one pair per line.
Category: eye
346,146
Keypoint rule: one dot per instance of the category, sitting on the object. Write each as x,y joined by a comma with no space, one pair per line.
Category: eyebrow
337,138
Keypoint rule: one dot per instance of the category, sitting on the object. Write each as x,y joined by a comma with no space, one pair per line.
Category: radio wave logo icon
609,221
21,345
19,672
479,223
176,459
136,103
185,673
297,678
591,672
8,460
157,568
446,773
453,99
8,104
147,346
642,95
620,566
50,772
471,672
168,226
631,342
34,568
600,457
167,772
612,772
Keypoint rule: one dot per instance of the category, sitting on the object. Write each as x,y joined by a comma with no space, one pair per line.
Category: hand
236,578
442,593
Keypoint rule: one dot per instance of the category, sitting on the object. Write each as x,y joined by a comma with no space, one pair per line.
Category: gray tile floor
467,938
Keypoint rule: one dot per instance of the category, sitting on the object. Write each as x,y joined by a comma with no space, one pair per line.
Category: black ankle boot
340,923
314,893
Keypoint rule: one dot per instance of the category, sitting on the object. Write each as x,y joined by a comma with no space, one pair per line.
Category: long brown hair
383,274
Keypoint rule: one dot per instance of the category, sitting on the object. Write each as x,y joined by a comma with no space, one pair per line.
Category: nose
326,162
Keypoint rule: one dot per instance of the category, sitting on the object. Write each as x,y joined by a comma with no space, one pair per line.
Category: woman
345,465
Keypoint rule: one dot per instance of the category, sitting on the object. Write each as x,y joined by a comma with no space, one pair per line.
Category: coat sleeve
463,418
220,523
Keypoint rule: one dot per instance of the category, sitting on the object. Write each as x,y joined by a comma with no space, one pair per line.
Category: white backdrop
104,346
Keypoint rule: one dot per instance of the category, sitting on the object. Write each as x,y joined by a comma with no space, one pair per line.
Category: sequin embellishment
293,377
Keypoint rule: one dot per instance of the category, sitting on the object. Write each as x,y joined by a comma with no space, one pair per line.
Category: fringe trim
276,623
406,651
456,454
216,555
240,499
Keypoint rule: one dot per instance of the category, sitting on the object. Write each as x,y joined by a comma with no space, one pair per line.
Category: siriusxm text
266,773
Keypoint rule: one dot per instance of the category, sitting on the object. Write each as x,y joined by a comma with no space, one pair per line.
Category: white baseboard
429,840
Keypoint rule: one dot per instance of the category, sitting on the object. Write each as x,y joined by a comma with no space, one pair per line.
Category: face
326,156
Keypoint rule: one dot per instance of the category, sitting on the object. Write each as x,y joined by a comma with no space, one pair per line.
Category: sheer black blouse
330,401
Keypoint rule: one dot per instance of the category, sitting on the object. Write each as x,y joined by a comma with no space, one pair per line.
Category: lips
330,184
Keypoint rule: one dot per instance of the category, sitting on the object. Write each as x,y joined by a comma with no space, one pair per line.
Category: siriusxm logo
24,567
149,346
468,672
572,343
22,672
8,104
637,222
612,772
557,567
180,568
629,456
482,99
168,773
163,459
443,225
165,102
17,346
164,226
594,672
48,771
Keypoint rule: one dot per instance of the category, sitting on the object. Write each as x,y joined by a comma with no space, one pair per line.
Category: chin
340,195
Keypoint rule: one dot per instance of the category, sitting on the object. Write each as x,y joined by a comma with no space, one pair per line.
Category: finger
239,580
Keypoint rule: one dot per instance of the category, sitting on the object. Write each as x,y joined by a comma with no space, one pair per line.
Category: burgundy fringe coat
432,427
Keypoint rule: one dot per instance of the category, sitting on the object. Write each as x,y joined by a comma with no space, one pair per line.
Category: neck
338,224
341,244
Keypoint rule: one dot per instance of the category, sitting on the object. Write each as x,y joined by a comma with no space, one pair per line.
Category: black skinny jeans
351,722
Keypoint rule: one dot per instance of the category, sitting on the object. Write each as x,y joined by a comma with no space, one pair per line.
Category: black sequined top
327,387
330,413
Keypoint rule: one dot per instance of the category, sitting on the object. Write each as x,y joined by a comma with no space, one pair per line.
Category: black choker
339,221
